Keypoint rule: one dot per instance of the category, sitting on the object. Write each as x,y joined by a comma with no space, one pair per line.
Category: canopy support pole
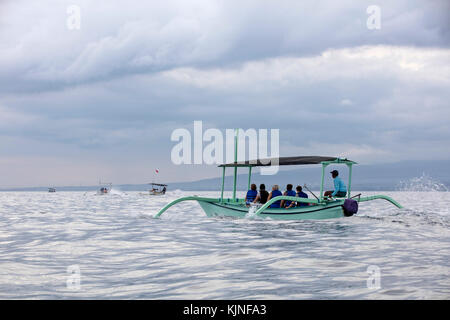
236,134
349,179
249,177
324,165
223,184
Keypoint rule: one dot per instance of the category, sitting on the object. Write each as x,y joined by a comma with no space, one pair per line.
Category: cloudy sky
101,101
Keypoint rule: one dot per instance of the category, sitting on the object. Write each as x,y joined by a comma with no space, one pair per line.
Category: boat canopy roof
287,161
158,184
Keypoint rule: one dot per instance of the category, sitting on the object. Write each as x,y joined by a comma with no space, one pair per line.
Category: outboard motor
350,207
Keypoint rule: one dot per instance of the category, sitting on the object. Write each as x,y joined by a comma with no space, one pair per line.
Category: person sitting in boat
275,193
251,194
289,192
300,194
340,190
263,194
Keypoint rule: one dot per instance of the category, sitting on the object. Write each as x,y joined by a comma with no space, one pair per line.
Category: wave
424,183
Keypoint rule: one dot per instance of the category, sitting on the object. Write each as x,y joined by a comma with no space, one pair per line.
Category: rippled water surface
122,252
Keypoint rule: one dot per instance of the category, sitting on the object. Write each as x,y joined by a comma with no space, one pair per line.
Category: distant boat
51,190
158,189
104,189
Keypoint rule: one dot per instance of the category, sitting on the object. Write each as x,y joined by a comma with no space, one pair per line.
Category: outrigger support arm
223,184
296,199
380,196
192,198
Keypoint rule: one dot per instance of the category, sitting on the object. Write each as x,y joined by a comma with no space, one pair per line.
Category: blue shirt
301,194
251,195
290,193
338,186
276,193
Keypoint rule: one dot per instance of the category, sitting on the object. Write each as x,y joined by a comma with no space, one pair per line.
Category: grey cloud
267,94
113,92
40,53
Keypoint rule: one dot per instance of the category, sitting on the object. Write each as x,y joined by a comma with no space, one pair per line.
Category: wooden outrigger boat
320,207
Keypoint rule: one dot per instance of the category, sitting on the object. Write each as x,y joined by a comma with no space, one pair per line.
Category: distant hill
364,177
390,176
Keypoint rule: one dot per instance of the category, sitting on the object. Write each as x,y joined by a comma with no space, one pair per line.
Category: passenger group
253,196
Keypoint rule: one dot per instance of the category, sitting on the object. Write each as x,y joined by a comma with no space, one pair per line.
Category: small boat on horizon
105,189
158,189
51,190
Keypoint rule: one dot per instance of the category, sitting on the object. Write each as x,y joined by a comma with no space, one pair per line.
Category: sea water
78,245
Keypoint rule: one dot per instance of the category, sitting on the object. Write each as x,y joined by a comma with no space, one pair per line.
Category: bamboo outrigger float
317,208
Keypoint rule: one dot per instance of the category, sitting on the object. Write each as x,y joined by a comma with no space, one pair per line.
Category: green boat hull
313,212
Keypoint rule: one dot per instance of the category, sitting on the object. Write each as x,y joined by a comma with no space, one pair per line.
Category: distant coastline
433,175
